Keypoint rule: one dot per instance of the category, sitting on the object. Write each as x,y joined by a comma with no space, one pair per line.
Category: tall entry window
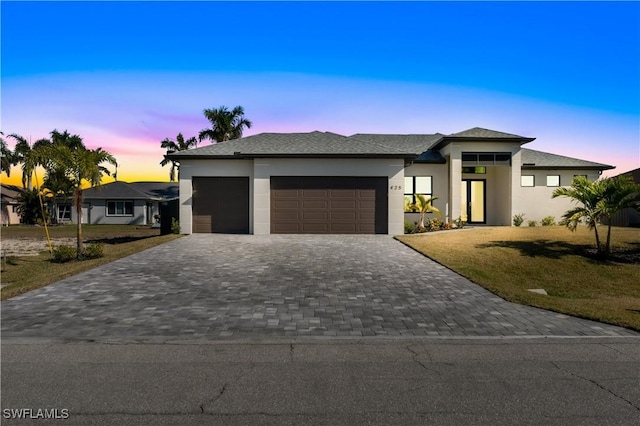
472,197
417,185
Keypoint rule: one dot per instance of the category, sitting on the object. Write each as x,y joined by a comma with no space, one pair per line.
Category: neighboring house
628,216
135,203
322,182
9,204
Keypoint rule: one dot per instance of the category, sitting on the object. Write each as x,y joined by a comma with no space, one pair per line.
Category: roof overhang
446,140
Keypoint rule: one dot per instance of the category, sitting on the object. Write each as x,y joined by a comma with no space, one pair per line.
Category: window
119,208
527,180
478,170
553,180
486,159
417,185
64,212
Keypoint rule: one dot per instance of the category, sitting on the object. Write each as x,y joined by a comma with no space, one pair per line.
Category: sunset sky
125,75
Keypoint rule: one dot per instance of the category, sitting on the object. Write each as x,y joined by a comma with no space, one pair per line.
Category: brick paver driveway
244,286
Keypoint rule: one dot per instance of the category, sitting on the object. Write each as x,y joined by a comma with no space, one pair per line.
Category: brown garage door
329,205
221,204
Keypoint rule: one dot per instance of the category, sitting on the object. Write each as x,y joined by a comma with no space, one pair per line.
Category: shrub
175,225
459,223
518,219
63,254
447,225
434,224
409,228
532,223
93,251
549,221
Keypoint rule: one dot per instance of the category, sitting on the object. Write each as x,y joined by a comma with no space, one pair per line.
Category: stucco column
186,198
261,197
455,179
516,172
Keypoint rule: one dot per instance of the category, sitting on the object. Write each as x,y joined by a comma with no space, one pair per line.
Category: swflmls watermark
36,413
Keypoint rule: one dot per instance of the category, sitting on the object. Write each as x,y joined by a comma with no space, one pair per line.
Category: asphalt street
585,381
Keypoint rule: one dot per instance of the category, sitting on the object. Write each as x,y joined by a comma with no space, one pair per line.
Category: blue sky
125,75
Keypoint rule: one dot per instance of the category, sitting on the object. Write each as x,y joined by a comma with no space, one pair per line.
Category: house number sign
395,187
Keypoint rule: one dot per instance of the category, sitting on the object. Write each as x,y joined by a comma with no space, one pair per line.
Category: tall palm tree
80,165
599,200
172,146
225,124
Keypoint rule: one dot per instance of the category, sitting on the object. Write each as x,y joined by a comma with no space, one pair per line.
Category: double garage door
299,205
329,205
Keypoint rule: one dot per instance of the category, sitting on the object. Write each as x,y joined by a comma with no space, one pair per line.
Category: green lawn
26,273
508,261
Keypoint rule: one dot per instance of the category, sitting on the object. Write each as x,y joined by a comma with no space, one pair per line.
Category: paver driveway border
213,286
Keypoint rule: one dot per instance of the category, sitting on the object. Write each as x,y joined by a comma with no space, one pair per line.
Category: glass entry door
473,197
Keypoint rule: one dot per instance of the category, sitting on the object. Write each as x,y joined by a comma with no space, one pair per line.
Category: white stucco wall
536,202
440,186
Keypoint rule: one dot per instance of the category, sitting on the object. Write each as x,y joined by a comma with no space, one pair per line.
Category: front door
473,196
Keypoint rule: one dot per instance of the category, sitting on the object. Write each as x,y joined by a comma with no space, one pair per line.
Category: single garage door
220,204
329,205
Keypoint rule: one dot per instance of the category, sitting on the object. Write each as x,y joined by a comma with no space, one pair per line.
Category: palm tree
80,164
24,156
423,205
172,146
600,200
7,158
225,124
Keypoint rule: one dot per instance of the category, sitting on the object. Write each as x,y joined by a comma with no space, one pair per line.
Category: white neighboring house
9,204
322,182
122,203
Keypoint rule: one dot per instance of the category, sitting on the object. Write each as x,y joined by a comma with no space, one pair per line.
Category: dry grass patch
508,261
25,273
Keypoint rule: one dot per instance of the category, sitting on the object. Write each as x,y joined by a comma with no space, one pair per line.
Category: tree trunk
598,248
607,248
77,198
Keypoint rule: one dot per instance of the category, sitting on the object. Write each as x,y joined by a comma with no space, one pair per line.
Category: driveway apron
245,286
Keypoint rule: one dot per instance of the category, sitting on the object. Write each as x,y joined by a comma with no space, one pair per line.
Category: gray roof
154,191
9,193
414,143
479,132
543,160
635,175
313,144
418,148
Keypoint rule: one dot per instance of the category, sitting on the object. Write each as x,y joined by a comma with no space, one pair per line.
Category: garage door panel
344,228
286,204
340,205
289,193
285,228
288,215
366,216
315,228
344,193
315,204
310,215
344,215
315,193
366,205
344,204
